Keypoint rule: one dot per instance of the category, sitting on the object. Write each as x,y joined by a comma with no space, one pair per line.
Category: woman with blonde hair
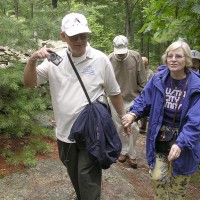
171,99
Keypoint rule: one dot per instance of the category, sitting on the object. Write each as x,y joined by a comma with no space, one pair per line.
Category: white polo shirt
68,98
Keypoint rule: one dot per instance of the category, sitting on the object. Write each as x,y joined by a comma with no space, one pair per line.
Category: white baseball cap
75,23
120,43
195,54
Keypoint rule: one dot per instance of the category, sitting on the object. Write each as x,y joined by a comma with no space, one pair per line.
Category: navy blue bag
95,127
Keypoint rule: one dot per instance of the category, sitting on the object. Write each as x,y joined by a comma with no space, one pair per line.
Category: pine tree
18,108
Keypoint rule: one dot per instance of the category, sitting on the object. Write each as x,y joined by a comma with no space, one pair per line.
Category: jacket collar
160,78
194,80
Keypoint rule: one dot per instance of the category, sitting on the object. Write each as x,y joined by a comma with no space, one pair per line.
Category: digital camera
55,58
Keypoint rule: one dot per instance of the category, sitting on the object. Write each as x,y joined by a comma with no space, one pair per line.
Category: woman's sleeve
189,137
142,104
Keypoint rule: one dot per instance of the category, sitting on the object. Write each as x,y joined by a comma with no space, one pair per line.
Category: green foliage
29,157
18,105
8,153
21,31
28,153
25,155
156,21
169,20
16,31
18,108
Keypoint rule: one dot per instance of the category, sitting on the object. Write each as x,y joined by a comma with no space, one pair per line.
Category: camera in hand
55,58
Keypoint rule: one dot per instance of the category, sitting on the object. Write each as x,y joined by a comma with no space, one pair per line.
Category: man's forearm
118,104
30,74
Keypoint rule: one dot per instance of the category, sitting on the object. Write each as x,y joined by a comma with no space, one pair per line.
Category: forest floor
137,178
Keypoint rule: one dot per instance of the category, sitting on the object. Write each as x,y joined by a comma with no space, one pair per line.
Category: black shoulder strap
79,78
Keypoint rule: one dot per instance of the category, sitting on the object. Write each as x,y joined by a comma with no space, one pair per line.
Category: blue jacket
95,127
151,102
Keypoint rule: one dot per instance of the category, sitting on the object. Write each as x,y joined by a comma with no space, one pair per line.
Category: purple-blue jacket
151,103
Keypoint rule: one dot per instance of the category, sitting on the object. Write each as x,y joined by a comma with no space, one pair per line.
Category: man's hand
41,54
127,131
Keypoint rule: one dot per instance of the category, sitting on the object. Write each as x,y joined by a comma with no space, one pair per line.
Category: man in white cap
195,60
69,100
131,77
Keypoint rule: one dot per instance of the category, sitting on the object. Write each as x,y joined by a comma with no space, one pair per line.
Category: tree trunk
54,3
16,6
142,48
129,26
31,10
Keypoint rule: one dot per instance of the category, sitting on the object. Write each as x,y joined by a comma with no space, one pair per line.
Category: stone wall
9,55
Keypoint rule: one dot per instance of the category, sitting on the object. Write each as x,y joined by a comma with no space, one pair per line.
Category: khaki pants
167,186
128,143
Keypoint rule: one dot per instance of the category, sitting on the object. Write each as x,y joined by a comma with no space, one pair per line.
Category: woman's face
176,60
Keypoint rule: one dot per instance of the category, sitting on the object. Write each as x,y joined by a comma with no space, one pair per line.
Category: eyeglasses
177,57
82,36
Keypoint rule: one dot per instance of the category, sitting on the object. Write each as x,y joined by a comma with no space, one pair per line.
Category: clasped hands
126,121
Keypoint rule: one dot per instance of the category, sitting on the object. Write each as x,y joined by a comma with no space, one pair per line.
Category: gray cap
120,43
195,54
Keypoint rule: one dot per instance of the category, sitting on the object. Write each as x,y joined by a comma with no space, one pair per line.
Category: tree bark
54,3
129,26
31,10
16,6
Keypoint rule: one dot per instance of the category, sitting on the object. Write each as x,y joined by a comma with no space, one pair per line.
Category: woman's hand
174,152
128,119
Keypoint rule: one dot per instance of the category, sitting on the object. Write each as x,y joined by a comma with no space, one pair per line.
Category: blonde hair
186,49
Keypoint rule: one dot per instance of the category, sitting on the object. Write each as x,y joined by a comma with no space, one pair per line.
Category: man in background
130,75
195,60
149,74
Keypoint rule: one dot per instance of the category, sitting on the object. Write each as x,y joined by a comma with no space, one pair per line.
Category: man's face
121,56
195,64
77,43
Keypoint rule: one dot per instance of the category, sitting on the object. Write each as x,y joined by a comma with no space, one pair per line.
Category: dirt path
49,181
